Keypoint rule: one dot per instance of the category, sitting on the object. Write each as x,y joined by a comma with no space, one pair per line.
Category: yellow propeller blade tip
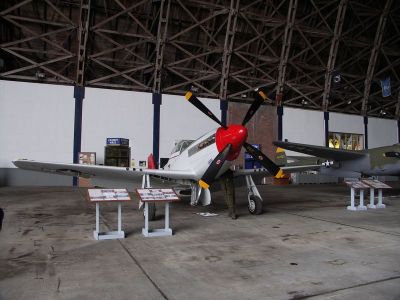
279,150
261,93
188,95
204,184
280,174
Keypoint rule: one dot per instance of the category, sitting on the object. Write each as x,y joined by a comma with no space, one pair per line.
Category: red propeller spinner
235,135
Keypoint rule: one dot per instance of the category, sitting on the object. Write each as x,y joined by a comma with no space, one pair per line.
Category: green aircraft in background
380,161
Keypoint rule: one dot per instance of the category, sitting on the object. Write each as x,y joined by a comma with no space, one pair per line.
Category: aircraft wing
286,169
108,172
319,151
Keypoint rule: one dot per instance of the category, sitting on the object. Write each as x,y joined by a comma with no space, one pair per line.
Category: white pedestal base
110,235
372,206
156,232
147,232
353,208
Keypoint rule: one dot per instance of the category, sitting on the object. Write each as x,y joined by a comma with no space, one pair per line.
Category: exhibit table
156,196
376,184
356,186
108,196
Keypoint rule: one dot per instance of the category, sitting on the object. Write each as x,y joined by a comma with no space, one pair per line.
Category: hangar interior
76,72
325,58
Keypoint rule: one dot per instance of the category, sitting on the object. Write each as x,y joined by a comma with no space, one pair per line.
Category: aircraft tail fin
280,157
150,161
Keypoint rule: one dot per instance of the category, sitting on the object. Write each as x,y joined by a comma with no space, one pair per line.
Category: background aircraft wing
89,171
319,151
286,170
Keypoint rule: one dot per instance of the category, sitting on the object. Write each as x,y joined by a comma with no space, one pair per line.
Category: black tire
152,211
255,205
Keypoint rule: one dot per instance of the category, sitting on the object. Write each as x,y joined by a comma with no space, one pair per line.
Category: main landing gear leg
255,201
195,195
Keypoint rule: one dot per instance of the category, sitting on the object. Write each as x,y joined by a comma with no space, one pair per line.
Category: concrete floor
305,246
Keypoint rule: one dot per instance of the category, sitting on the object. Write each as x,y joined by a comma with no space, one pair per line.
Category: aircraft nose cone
235,135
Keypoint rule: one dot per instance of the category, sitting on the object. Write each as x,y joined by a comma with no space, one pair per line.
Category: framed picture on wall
87,158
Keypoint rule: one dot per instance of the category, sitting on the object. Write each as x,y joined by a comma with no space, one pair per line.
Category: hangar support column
157,99
226,57
398,131
326,122
157,96
224,110
333,53
79,95
397,115
287,41
279,111
365,132
79,89
374,56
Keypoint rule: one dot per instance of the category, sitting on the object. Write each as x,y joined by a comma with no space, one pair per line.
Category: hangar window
346,141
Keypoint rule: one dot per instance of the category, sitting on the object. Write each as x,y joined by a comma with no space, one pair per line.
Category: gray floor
305,246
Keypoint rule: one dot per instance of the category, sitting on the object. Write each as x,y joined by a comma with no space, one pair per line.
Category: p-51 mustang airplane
195,164
351,163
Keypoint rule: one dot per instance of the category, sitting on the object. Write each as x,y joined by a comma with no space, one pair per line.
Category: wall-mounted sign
117,141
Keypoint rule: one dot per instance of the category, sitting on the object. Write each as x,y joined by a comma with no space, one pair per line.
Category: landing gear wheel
152,211
255,205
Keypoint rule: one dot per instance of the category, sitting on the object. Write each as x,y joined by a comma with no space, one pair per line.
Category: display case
117,152
117,156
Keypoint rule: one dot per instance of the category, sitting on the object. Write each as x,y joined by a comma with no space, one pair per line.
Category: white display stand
153,196
356,186
108,195
375,185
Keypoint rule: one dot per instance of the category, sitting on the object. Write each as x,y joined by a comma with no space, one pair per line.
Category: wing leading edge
285,169
319,151
88,171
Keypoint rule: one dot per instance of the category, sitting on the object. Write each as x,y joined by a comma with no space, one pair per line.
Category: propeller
260,97
230,139
214,167
264,160
196,102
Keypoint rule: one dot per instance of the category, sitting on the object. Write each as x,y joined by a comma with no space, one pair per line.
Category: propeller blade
260,97
196,102
214,168
264,160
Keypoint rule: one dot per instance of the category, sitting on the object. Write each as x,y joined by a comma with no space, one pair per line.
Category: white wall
181,120
381,132
303,126
113,113
36,122
346,123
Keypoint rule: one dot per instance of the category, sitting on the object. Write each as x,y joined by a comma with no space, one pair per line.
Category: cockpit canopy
181,146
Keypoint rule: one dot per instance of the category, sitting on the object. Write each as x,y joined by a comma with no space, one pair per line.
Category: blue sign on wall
117,141
247,155
249,161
